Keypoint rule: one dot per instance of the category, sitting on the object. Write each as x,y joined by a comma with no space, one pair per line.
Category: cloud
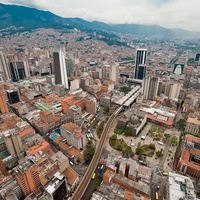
168,13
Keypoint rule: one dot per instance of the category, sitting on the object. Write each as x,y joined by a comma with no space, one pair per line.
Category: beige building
74,115
13,142
150,87
174,90
114,75
193,124
75,84
73,135
91,105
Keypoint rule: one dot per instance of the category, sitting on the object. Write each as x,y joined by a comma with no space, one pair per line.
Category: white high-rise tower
59,68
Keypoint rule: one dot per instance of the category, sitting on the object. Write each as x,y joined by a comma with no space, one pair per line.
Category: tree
174,140
139,151
181,124
89,152
128,131
152,146
159,154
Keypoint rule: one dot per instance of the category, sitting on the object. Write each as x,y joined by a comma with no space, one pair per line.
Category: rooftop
180,187
71,175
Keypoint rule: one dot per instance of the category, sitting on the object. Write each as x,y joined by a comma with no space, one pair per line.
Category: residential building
74,115
75,84
74,135
150,87
91,105
105,101
60,89
13,142
27,176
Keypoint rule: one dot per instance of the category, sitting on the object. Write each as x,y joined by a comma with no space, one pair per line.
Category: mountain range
31,18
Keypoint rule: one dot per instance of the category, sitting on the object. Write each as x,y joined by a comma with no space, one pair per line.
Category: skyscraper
140,62
150,87
19,70
114,75
4,69
59,68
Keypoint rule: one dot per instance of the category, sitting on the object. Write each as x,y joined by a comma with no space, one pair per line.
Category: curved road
86,179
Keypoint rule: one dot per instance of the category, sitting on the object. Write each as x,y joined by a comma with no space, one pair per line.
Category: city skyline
166,13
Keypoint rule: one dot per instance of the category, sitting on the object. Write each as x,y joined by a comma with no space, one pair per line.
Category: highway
87,177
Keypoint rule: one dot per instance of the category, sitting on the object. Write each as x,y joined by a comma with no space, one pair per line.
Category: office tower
60,69
27,176
19,70
141,72
3,105
150,87
13,96
69,65
141,56
114,75
4,69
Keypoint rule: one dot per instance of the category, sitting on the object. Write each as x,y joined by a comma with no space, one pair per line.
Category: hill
31,18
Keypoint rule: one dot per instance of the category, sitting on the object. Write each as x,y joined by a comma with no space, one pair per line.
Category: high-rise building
4,69
74,115
140,62
150,87
114,75
69,65
13,96
141,72
27,176
3,105
13,142
19,70
59,68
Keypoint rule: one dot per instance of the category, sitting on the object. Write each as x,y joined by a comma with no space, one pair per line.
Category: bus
156,195
160,143
93,176
165,174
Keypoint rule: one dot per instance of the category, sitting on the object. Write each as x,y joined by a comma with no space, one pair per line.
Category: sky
183,14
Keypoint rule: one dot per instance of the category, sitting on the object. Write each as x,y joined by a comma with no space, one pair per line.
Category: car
143,137
71,162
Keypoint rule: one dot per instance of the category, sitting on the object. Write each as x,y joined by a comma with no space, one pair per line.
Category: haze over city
182,14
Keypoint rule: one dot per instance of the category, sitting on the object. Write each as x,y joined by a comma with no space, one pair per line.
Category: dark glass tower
140,68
